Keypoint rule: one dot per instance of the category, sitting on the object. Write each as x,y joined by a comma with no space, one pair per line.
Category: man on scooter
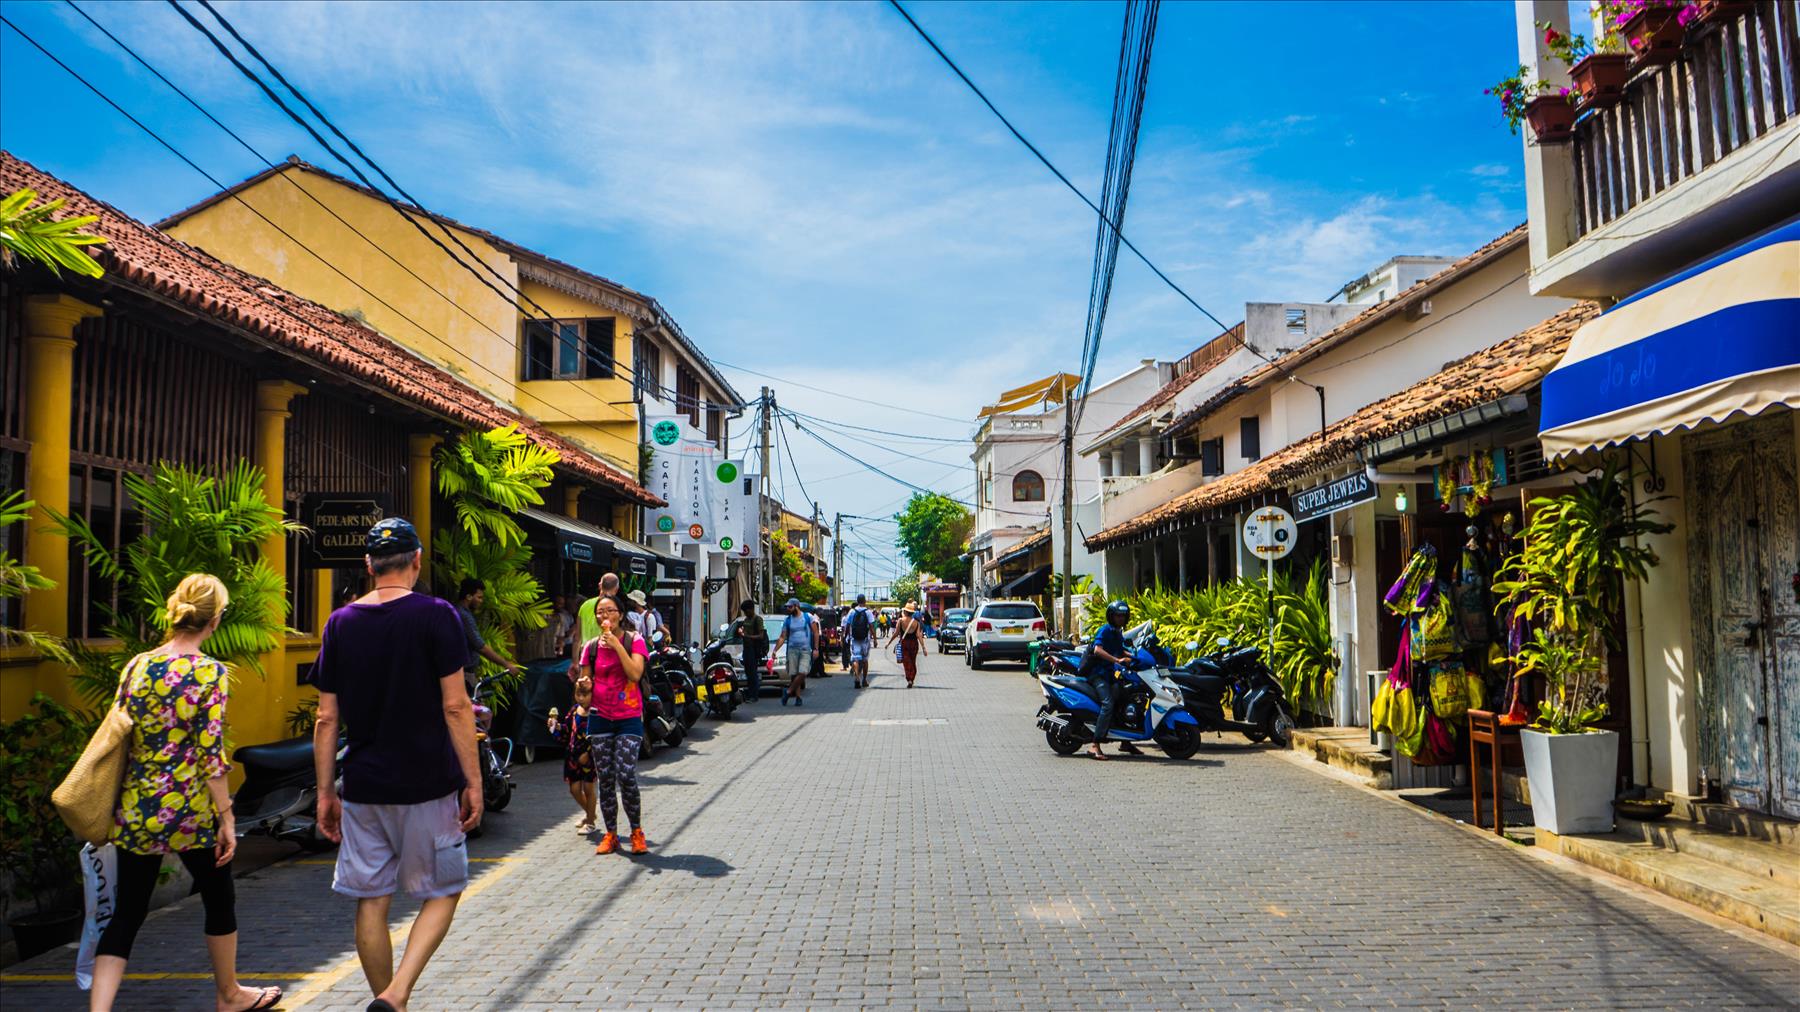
1101,669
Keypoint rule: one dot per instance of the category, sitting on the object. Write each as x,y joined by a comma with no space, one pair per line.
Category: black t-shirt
385,661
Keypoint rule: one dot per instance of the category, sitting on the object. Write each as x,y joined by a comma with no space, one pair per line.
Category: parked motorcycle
280,794
1259,706
1148,706
662,718
721,679
677,663
495,765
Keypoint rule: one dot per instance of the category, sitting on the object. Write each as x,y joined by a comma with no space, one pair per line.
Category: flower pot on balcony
1571,778
1654,35
1552,118
1710,14
1600,78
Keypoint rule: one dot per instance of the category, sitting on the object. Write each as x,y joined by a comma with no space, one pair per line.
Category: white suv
1003,630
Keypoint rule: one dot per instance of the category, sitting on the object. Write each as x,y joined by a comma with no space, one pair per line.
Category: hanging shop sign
578,551
1326,499
340,523
1269,533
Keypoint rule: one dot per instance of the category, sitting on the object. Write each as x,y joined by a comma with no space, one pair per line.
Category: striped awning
1718,340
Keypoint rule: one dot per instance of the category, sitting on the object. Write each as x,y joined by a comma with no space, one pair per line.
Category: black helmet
1118,613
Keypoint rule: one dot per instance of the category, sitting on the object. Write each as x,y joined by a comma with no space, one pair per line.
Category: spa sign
339,522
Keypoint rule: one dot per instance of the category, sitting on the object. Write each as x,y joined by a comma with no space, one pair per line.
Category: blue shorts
606,725
859,649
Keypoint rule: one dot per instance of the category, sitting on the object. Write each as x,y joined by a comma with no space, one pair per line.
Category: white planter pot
1572,778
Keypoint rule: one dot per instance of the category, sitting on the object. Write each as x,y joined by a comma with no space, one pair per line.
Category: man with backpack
859,638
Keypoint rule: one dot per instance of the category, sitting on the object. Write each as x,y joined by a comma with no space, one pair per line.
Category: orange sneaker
608,844
638,846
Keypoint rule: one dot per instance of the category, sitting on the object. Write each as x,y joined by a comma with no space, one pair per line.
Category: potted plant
1598,72
1546,107
41,859
1707,15
1651,28
1568,581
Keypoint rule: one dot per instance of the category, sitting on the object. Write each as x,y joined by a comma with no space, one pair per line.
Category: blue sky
813,195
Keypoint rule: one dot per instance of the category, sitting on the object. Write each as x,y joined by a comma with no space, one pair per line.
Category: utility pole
837,560
1068,517
762,499
817,535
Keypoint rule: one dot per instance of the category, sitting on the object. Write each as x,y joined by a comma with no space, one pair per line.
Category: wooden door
1745,543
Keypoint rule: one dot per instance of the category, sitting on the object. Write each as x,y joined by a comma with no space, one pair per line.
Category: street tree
934,533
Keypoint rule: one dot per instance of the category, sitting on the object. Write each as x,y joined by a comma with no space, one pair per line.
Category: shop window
1250,437
1028,486
647,362
1212,456
568,349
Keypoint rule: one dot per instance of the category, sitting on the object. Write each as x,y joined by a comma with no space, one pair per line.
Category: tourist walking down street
570,731
390,673
800,632
614,660
586,625
174,799
911,634
469,598
648,619
755,636
859,639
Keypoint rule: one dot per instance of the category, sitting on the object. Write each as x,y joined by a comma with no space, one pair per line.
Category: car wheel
527,754
974,661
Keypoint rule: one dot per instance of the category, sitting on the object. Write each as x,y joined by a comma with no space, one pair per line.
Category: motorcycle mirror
1224,641
1191,647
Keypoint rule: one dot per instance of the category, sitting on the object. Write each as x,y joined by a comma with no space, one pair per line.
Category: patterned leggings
615,761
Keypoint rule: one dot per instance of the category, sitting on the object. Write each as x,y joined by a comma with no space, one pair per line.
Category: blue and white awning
1718,340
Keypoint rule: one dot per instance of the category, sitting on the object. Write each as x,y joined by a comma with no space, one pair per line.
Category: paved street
825,857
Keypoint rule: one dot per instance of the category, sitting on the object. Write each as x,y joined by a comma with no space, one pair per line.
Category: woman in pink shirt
615,661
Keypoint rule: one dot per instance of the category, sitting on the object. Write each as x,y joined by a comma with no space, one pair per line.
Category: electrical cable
860,400
831,423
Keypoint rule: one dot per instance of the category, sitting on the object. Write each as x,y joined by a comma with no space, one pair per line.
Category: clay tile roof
1026,545
138,256
1512,366
1377,313
1199,362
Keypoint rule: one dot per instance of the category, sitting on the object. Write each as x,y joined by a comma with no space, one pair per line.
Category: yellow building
583,355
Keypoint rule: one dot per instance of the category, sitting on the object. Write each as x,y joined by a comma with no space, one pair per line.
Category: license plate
680,697
1013,630
700,691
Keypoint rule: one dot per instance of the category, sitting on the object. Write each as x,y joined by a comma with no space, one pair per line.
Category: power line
835,393
830,423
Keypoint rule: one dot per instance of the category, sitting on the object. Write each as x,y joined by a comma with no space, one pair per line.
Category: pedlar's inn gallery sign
339,522
1322,500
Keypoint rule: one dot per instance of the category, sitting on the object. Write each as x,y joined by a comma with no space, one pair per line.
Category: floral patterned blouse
177,707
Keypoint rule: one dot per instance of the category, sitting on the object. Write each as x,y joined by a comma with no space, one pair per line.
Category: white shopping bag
100,884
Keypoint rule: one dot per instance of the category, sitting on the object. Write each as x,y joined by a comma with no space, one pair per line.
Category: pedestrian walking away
469,598
570,731
614,660
174,799
911,634
800,632
859,639
390,673
755,636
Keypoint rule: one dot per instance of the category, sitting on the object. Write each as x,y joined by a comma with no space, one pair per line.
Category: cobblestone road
923,848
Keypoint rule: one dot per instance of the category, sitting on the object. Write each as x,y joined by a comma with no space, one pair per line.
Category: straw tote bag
88,797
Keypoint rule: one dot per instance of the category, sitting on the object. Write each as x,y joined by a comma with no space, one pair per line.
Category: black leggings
137,881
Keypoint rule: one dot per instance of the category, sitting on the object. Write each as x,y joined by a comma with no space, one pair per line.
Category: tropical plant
1568,581
1573,676
487,477
31,232
905,587
934,533
36,751
793,577
1515,93
302,718
193,523
1571,48
17,579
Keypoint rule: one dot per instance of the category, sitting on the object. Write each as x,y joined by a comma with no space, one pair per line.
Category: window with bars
647,363
97,494
715,426
568,349
687,394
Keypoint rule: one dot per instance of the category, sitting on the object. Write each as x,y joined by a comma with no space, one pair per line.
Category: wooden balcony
1732,84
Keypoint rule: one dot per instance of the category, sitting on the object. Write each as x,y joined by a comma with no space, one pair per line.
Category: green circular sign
665,524
727,472
665,433
725,544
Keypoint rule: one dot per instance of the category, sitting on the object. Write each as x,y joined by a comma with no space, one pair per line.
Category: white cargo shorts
419,848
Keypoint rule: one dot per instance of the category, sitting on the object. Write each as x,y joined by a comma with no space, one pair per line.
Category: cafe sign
1333,496
340,523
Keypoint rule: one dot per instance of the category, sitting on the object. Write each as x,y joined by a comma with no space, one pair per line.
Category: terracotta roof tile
1377,313
1028,543
139,256
1511,366
1175,386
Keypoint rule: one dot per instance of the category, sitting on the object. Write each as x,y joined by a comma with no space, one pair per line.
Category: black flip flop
382,1005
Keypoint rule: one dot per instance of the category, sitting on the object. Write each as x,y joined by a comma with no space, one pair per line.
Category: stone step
1759,902
1737,821
1348,749
1761,859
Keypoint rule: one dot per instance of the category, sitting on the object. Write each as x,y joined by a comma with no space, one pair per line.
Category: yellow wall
479,345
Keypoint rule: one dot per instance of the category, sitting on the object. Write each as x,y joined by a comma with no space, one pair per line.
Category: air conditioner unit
1419,309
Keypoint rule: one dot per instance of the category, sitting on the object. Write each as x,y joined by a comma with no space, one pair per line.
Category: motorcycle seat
281,756
1076,683
1059,645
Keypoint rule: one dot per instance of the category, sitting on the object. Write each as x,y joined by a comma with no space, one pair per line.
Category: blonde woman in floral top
174,799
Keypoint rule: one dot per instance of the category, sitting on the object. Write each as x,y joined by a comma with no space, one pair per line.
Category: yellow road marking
319,983
25,978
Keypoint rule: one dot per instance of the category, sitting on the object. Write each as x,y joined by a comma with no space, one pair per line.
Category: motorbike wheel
1279,727
1179,742
1061,741
1255,736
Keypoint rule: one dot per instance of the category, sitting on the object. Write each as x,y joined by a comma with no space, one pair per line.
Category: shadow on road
701,865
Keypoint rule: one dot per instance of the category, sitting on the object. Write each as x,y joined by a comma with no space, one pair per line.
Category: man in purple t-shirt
390,669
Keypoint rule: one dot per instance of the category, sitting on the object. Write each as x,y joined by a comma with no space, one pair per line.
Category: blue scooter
1148,706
